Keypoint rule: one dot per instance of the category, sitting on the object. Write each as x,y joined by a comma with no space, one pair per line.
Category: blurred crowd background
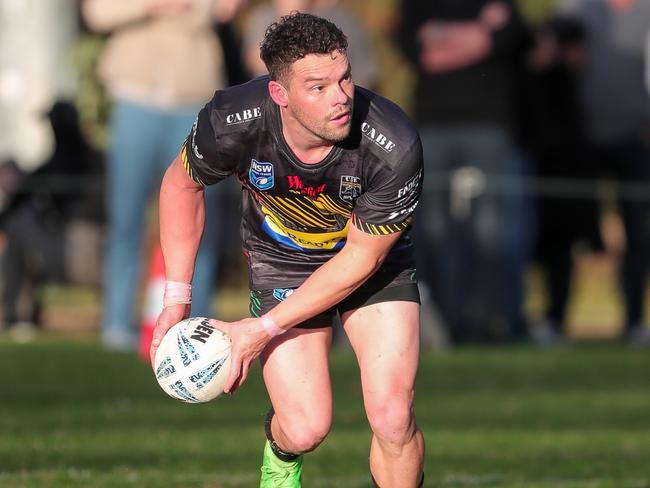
534,225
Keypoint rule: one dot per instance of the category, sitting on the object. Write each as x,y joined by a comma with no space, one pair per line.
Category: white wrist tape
270,327
177,292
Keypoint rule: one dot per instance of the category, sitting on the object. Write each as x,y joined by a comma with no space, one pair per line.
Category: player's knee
306,436
392,420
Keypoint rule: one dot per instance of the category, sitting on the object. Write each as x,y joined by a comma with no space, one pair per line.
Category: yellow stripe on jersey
334,207
307,211
316,210
337,209
307,240
276,208
380,229
188,168
302,211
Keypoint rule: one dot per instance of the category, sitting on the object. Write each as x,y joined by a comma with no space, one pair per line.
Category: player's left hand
168,317
248,340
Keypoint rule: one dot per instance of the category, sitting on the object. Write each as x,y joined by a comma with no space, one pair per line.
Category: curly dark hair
295,36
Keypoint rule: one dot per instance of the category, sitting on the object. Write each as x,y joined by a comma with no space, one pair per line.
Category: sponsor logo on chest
377,137
245,115
296,185
261,174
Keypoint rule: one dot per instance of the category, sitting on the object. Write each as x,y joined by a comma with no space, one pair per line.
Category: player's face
320,95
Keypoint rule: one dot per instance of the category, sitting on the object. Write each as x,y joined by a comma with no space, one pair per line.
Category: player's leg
386,340
297,379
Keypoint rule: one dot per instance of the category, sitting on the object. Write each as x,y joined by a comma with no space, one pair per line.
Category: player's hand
248,340
169,317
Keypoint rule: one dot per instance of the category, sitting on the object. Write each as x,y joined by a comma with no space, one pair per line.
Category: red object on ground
153,304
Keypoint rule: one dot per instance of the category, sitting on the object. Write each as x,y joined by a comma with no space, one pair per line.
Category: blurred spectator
257,20
471,242
35,70
52,222
161,63
36,39
232,51
359,46
552,131
618,124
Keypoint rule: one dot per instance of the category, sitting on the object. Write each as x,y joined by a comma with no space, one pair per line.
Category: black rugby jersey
295,216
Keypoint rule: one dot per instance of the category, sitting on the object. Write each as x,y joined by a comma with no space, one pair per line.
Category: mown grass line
73,415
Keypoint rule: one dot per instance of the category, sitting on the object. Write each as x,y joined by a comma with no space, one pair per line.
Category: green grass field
72,415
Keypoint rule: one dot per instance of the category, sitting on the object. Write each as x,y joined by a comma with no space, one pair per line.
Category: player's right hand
170,316
248,340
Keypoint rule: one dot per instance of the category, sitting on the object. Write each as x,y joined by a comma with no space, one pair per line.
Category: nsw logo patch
280,294
261,174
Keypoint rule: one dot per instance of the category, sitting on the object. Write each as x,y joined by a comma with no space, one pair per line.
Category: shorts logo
261,174
350,188
280,294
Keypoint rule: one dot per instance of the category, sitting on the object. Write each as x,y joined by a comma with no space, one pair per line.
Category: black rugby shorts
380,287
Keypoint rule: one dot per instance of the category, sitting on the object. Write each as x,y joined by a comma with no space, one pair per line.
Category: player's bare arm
346,271
182,214
361,256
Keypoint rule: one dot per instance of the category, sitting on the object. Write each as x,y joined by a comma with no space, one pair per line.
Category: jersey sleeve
201,153
392,196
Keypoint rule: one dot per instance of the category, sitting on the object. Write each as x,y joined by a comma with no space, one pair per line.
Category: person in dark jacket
552,132
38,216
471,245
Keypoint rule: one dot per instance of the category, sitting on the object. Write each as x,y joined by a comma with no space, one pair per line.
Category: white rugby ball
192,362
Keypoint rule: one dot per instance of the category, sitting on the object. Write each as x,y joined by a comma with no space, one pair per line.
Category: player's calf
397,452
301,433
277,450
281,468
420,484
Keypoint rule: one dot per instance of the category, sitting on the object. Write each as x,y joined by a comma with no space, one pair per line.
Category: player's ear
278,93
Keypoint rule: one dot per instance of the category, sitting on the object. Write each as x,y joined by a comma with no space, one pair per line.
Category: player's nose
340,96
